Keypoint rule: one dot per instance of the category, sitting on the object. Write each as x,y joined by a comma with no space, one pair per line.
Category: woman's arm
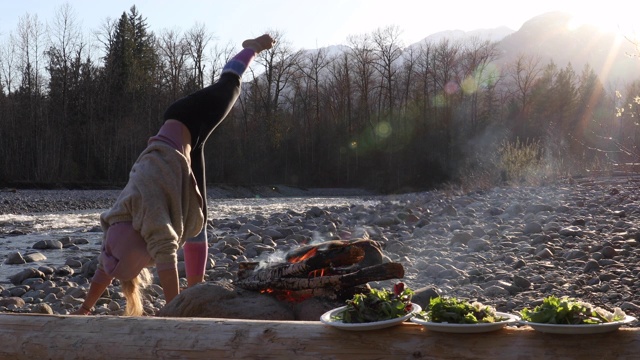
95,291
170,283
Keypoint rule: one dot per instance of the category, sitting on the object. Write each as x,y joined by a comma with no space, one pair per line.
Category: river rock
15,258
34,257
12,302
48,245
20,277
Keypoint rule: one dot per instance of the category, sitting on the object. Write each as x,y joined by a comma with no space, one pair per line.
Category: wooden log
107,337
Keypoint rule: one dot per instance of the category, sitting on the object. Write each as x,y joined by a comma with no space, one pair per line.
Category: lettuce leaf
377,305
456,311
569,311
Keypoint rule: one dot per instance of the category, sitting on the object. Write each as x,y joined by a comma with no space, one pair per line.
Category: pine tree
130,73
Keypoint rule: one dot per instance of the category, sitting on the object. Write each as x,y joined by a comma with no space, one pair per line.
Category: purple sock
239,63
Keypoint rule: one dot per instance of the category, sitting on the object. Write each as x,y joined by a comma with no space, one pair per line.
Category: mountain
496,34
549,37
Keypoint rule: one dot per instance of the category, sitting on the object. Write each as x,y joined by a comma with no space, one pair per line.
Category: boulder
222,299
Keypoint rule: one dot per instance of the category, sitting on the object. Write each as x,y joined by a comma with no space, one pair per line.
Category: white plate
326,318
468,328
578,329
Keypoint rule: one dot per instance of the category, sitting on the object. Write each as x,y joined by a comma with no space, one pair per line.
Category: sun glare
614,19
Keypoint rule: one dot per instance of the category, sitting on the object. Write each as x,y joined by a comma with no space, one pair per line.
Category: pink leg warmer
195,257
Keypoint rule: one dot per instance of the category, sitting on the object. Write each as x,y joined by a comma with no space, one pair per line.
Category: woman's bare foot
260,43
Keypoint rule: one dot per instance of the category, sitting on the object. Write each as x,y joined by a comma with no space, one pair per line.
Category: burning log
371,249
372,273
331,269
318,259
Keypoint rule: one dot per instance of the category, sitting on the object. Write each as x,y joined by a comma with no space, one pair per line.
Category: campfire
334,269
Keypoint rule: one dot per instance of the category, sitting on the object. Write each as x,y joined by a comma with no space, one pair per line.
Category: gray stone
571,231
521,282
536,208
15,258
461,237
575,254
47,270
74,263
26,274
34,257
14,301
48,245
533,227
591,265
42,308
544,254
64,270
496,291
478,244
608,252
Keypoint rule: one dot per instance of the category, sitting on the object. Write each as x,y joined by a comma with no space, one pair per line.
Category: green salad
377,305
456,311
565,310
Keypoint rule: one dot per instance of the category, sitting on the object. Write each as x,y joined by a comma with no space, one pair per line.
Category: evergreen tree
130,84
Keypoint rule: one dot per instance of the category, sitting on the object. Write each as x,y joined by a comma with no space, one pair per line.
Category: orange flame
304,256
288,295
316,273
292,296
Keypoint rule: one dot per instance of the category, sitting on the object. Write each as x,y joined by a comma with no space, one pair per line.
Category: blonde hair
132,290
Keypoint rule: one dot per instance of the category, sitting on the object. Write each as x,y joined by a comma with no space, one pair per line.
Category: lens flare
383,129
451,88
469,85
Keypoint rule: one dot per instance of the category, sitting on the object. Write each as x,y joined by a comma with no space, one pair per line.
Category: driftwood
372,273
108,337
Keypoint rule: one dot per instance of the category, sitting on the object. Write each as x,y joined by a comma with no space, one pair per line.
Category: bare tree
524,73
219,55
29,47
388,51
278,65
65,54
173,50
65,45
30,50
312,66
478,77
8,64
425,81
363,60
197,40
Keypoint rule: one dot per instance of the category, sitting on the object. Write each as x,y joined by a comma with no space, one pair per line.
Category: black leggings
201,112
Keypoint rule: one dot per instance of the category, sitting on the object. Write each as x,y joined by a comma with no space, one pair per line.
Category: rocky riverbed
508,247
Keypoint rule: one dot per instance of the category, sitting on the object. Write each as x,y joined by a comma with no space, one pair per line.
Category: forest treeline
370,113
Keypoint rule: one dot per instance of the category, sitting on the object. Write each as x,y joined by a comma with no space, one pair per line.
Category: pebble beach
508,247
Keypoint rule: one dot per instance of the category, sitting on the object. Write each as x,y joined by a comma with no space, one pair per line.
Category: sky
307,24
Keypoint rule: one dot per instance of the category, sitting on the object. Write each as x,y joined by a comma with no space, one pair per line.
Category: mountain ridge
549,37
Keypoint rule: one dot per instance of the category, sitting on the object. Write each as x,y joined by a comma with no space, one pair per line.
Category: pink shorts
124,252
